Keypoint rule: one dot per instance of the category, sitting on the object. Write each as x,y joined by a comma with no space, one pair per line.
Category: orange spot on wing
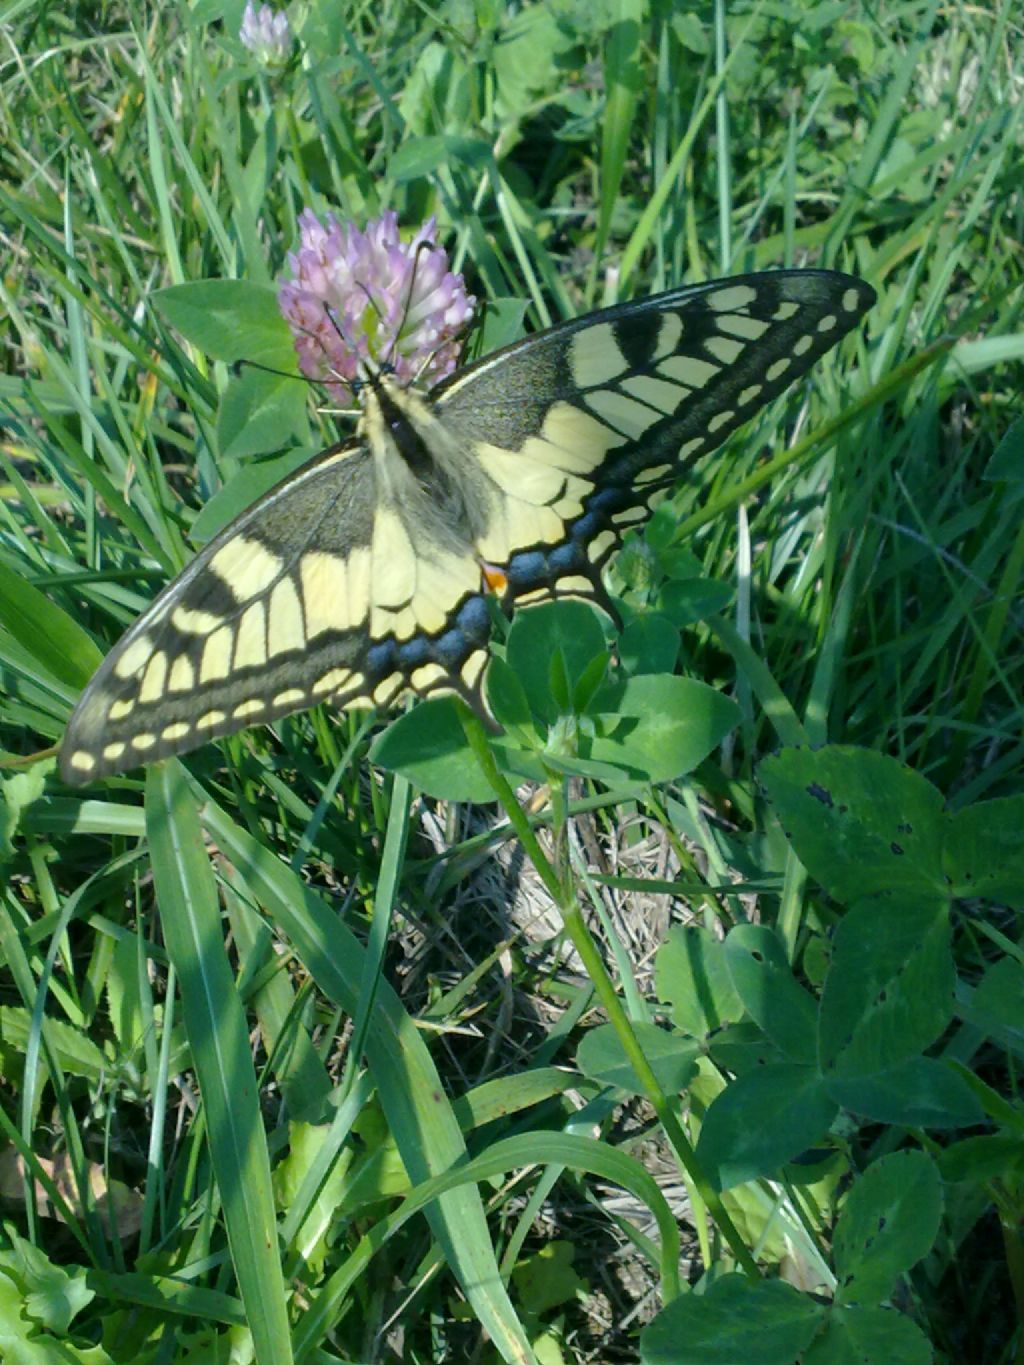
495,578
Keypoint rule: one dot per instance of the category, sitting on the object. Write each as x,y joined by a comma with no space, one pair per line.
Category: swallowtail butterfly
364,575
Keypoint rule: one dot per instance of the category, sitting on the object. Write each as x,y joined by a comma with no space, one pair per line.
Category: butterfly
365,575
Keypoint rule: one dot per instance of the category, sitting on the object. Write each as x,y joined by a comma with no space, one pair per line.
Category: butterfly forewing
580,424
227,644
363,574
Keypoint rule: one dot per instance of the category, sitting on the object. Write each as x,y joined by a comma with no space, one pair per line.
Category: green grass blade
411,1093
215,1023
45,631
577,1153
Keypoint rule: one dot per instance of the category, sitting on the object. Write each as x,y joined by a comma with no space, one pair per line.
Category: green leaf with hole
742,1047
889,989
888,1223
774,999
984,852
692,976
860,822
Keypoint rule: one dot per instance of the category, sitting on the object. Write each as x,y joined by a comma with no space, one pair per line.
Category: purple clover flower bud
357,296
266,34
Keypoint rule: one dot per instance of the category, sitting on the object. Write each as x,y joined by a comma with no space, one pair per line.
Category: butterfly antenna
272,369
460,336
420,248
358,284
335,322
332,373
387,362
346,341
302,378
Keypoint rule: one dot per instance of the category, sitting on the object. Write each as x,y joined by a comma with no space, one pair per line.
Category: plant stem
563,894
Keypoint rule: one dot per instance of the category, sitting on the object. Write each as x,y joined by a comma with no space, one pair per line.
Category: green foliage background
270,1006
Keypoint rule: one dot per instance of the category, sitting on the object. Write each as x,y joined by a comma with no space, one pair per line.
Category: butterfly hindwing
363,575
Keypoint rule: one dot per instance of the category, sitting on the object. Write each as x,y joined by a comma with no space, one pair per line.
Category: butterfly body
365,574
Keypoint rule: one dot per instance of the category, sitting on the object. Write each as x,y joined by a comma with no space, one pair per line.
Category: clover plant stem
560,835
562,893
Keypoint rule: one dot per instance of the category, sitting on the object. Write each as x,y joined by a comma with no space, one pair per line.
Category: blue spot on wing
565,558
586,527
451,649
412,653
475,619
609,499
380,659
528,570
